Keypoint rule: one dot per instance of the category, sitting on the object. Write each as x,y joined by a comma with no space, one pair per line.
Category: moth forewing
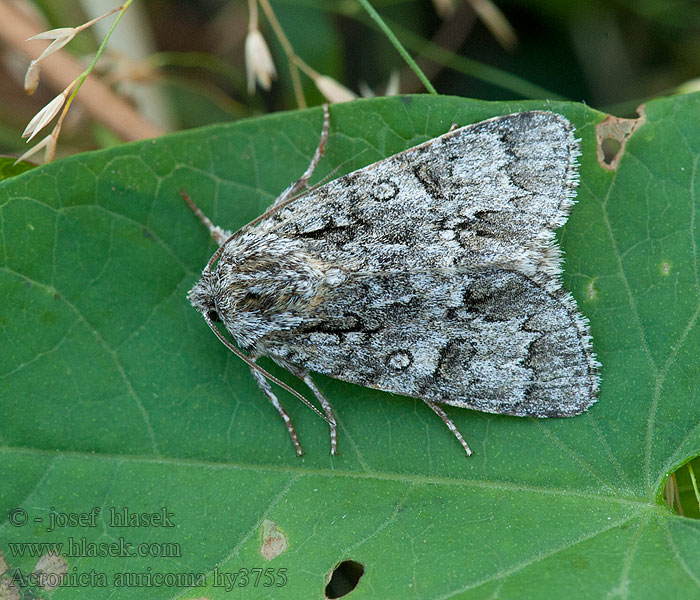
433,273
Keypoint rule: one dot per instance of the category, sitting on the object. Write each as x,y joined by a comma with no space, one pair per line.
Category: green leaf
115,394
8,168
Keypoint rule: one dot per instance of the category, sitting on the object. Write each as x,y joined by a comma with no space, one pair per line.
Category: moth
433,274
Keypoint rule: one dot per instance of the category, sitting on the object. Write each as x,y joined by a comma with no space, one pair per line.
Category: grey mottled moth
433,273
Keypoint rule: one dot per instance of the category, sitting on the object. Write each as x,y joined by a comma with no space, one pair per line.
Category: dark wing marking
494,340
488,194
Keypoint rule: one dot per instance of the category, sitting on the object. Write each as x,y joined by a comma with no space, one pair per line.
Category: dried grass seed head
258,61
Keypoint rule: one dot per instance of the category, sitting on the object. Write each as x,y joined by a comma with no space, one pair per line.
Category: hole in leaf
610,148
682,490
612,136
344,578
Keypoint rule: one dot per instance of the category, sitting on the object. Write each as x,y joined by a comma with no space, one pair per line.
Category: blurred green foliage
610,54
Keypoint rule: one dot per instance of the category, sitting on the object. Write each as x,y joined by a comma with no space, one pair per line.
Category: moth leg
220,235
328,409
300,183
451,426
264,386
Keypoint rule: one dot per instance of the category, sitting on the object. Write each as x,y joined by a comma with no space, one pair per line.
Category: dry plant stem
695,483
293,60
450,36
496,22
677,496
668,493
60,69
310,71
253,11
96,19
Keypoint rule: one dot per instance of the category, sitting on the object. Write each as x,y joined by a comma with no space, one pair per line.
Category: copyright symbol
17,517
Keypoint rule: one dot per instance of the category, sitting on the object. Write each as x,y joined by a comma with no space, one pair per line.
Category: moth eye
214,316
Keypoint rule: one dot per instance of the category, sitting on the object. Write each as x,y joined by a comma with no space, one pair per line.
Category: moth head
201,297
259,285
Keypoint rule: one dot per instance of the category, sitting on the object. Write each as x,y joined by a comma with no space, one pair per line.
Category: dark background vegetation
610,54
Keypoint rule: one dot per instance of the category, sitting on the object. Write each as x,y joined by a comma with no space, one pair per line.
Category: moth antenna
290,194
217,233
322,180
277,207
301,182
253,365
218,253
315,185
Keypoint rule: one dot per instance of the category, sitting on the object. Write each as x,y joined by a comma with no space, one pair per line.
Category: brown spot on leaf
274,541
50,570
3,563
8,590
612,135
